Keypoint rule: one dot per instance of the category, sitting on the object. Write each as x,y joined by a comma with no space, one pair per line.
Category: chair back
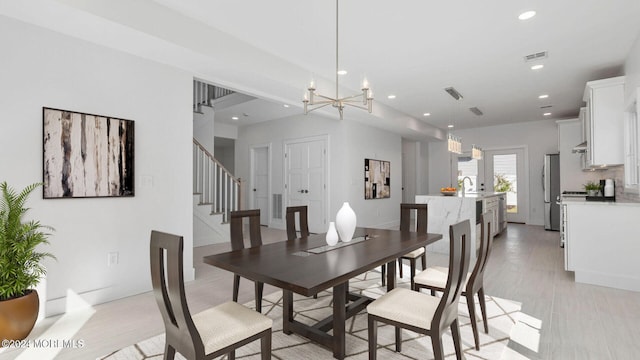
421,217
166,251
302,220
459,253
486,241
236,228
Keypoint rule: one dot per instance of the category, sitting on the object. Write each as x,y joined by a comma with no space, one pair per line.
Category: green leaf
20,263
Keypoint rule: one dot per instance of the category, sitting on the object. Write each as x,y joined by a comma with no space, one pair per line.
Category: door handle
303,191
306,191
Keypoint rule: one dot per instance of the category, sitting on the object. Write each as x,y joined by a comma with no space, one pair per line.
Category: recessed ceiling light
391,97
543,96
426,114
527,15
342,72
546,114
234,118
450,126
537,67
286,105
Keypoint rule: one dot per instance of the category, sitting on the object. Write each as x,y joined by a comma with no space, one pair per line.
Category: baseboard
608,280
73,301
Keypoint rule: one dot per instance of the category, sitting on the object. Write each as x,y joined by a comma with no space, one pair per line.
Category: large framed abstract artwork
87,155
377,179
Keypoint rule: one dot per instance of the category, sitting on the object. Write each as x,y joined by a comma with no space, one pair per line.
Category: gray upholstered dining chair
236,231
435,278
421,227
424,313
206,335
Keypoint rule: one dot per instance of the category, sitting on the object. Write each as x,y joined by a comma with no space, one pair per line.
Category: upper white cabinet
604,122
632,146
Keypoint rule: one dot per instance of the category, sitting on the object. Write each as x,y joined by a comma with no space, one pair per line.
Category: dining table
307,266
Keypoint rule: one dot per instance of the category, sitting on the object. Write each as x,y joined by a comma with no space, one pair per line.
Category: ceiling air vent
453,92
476,111
536,56
546,106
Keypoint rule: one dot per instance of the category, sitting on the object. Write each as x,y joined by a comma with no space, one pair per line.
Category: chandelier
454,144
313,100
476,152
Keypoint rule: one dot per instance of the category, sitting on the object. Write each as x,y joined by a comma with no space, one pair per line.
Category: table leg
339,320
391,275
287,311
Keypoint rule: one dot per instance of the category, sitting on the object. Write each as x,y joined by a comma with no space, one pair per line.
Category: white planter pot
332,235
346,222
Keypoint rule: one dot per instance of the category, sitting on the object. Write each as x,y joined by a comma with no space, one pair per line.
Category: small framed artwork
377,179
86,155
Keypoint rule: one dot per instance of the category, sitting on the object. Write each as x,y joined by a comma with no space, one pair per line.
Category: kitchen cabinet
632,147
502,214
601,244
604,122
585,157
491,204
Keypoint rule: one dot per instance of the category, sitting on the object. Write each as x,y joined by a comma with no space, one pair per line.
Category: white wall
539,137
632,70
203,128
41,68
349,144
572,178
226,156
415,165
225,130
409,173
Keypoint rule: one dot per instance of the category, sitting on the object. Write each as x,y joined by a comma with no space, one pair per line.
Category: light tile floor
566,320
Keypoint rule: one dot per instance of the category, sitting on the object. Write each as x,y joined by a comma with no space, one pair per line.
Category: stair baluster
216,185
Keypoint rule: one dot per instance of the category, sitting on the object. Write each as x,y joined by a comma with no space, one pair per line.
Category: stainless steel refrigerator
551,187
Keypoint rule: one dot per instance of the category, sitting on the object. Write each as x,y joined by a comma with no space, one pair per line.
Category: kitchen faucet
470,183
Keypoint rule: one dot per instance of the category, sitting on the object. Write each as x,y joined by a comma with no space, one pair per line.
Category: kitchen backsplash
617,174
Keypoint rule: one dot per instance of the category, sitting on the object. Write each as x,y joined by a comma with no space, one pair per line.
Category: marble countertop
621,202
473,195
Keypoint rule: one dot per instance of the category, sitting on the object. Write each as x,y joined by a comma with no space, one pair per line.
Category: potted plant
502,184
592,188
20,267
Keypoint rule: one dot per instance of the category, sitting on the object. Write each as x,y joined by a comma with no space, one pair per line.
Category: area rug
502,315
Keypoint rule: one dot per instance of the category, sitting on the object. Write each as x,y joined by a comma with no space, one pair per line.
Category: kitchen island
445,211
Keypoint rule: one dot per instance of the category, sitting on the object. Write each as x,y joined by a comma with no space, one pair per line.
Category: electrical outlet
112,258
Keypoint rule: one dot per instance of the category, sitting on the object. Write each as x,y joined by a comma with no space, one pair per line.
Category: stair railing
204,94
216,185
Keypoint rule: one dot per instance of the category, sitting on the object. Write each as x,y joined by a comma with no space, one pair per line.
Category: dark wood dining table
307,266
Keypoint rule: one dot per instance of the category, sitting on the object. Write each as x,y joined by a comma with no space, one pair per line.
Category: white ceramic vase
346,222
332,235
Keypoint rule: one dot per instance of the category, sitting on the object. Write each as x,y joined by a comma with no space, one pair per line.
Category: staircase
214,184
216,191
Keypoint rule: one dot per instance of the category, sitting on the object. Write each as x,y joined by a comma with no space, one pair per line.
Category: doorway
306,180
500,170
505,171
260,184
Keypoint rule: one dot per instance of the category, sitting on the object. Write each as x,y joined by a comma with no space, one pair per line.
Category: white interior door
306,179
505,171
260,182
